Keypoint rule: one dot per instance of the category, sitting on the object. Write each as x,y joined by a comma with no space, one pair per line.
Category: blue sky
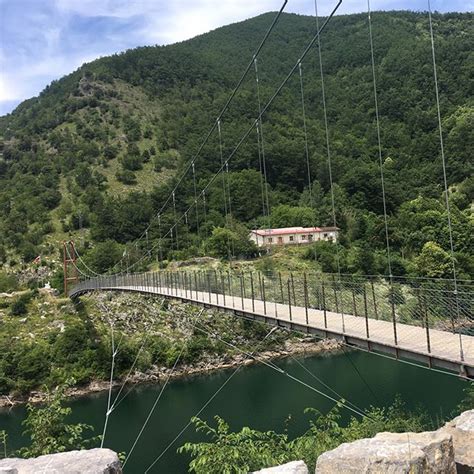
42,40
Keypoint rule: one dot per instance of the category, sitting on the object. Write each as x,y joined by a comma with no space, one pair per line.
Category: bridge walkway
365,333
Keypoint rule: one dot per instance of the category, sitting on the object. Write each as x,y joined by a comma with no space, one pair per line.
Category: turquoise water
256,396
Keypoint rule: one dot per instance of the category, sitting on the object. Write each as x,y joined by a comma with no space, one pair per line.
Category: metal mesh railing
420,313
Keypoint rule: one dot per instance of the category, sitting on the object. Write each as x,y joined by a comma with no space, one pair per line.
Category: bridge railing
356,301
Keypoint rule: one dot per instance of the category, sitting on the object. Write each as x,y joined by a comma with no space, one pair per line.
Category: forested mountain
96,154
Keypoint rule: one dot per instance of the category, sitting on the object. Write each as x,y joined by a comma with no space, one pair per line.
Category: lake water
256,396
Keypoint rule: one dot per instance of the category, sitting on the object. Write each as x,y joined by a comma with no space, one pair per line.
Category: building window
325,236
270,240
291,238
303,237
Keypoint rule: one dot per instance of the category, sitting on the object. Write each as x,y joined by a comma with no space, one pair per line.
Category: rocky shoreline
297,347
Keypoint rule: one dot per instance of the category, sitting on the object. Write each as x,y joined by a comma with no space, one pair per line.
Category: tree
104,255
293,216
47,428
434,262
83,175
225,242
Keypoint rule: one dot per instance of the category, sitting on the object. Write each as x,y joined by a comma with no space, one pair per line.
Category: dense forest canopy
96,154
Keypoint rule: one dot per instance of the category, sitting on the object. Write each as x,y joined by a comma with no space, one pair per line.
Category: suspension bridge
402,321
423,321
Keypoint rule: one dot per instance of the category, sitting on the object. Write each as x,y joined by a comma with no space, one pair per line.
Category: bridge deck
369,334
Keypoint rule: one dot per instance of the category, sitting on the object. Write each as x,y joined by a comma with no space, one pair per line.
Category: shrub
8,282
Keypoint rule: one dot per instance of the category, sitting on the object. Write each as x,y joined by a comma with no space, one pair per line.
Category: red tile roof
293,230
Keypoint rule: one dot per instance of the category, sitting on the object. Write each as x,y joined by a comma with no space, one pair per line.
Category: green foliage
250,450
104,255
225,242
290,216
48,430
19,306
85,122
229,452
3,441
434,262
8,282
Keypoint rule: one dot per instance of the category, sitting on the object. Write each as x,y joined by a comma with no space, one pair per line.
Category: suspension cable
305,133
195,199
175,222
262,141
112,367
224,109
275,367
379,141
206,404
264,110
257,128
224,186
445,179
328,150
158,398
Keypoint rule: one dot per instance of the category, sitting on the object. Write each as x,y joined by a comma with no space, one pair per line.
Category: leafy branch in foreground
250,450
48,430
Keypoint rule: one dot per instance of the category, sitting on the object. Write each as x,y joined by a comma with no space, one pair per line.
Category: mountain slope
75,157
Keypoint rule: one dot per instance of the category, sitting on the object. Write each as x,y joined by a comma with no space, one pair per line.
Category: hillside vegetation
96,154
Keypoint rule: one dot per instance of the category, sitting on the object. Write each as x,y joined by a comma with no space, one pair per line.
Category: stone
91,461
461,429
294,467
397,453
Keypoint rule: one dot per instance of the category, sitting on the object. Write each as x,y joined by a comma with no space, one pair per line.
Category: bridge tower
71,275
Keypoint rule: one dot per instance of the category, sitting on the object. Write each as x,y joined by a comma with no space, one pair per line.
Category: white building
293,235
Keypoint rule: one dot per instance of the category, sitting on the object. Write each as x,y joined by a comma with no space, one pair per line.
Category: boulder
294,467
91,461
462,431
397,453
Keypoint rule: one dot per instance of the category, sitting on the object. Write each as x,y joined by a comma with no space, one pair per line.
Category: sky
43,40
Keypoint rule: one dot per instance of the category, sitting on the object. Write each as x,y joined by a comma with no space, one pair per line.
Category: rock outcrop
294,467
397,453
91,461
462,431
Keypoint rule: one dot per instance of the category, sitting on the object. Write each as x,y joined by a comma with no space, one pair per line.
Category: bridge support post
231,293
281,289
242,289
208,285
289,300
427,326
324,304
223,286
366,312
335,293
394,316
305,289
354,305
318,296
252,291
374,300
293,288
217,286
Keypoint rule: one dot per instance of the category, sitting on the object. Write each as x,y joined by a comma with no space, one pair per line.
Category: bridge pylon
71,275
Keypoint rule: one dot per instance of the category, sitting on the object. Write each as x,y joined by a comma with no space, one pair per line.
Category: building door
280,240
